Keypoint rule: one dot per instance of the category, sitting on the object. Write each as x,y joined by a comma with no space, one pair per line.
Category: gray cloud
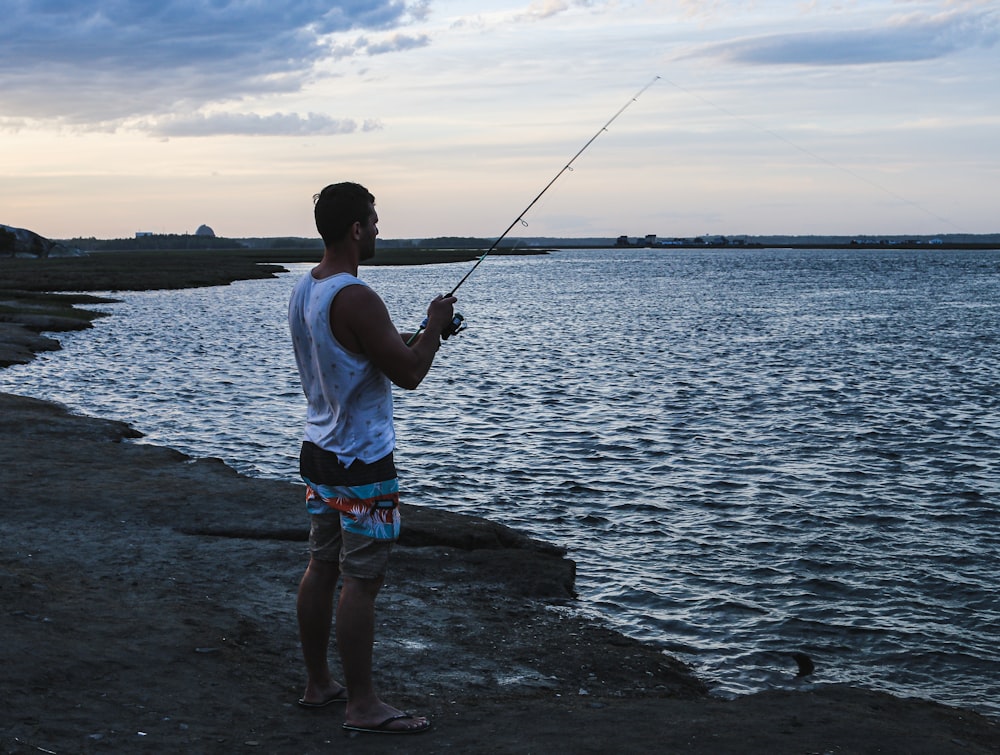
92,61
252,124
908,38
365,46
396,43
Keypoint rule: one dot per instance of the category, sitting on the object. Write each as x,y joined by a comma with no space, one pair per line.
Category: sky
832,118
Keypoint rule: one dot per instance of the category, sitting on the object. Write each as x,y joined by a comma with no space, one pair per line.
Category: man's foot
336,695
399,723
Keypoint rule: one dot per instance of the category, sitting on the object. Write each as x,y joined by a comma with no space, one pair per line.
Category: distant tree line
290,243
465,242
155,242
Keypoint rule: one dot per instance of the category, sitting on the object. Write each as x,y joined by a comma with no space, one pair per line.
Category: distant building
204,230
622,241
650,239
140,234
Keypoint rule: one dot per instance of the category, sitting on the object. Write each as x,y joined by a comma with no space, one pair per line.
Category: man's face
368,234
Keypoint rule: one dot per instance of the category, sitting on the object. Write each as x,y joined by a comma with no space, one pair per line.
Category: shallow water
748,453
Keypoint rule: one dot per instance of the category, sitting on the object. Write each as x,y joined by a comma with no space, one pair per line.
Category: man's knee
325,573
363,587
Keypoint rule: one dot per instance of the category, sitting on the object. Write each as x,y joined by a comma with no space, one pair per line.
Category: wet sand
148,605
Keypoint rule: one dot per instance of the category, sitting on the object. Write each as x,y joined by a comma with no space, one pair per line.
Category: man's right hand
440,313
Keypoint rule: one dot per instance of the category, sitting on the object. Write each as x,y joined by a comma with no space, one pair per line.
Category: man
348,352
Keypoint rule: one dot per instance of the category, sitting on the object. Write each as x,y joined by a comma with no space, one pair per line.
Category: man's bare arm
377,338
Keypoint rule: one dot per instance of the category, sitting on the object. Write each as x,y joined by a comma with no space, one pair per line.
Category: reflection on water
748,453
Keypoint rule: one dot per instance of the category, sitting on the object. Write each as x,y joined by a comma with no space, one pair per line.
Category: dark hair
338,207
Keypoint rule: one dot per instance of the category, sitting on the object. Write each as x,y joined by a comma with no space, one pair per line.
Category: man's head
338,207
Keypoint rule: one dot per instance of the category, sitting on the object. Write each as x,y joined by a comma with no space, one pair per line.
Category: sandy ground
148,605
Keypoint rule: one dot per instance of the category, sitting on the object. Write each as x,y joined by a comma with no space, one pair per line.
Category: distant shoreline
796,245
407,252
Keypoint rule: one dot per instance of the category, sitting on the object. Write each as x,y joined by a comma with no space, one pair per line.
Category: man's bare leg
315,613
355,639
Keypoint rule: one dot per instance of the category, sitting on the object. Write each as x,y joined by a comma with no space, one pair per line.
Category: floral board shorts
366,496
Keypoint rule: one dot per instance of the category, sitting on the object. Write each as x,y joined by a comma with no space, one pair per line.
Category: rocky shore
148,605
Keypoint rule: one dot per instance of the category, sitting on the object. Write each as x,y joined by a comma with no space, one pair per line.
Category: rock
19,344
29,244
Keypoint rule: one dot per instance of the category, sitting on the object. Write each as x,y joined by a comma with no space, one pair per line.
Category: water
748,453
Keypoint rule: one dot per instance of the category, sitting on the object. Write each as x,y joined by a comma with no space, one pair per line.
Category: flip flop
340,696
383,728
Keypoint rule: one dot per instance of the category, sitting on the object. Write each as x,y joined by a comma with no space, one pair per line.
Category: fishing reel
456,326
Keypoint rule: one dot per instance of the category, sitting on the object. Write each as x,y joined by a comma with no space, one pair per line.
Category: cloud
364,46
86,61
396,43
905,38
546,8
536,10
543,9
252,124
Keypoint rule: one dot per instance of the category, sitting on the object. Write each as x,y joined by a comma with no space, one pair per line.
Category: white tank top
350,399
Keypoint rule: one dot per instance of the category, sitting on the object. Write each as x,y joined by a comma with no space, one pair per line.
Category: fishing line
457,323
814,156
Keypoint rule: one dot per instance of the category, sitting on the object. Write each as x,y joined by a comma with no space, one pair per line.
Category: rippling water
748,453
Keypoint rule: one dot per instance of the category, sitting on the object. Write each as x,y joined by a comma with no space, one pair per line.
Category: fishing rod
457,323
